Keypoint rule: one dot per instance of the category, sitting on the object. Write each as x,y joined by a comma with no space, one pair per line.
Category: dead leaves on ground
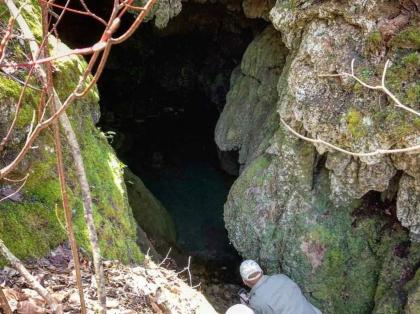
130,289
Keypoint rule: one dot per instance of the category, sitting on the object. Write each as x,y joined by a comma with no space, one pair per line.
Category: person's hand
243,296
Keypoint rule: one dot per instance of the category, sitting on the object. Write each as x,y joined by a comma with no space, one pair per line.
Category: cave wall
31,222
345,228
306,209
299,208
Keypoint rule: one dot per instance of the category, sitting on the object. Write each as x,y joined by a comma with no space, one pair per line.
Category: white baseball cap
239,309
249,267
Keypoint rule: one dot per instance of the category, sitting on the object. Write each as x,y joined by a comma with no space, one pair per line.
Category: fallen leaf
30,307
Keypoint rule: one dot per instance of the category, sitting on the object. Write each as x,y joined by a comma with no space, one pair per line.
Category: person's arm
260,307
264,309
243,296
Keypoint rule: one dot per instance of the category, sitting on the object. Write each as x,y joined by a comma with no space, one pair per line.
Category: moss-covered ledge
31,222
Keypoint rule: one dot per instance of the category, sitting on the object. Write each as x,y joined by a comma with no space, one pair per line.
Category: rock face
150,214
252,98
31,221
345,228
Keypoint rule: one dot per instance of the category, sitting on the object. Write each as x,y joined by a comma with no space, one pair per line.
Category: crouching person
276,294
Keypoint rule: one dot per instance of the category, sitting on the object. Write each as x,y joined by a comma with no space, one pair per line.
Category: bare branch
100,52
374,153
166,257
381,87
186,269
6,38
48,85
17,264
17,191
15,180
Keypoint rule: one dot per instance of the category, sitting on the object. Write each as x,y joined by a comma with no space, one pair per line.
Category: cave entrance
162,92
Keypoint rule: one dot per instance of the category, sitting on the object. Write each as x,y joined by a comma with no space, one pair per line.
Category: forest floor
145,288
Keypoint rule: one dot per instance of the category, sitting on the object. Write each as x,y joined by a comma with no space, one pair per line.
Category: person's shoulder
280,277
283,279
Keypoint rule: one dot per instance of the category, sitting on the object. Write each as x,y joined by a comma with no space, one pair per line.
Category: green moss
402,80
416,123
117,227
389,294
413,94
29,229
374,42
8,88
348,265
396,123
403,69
66,78
358,88
407,38
354,124
366,74
412,288
29,226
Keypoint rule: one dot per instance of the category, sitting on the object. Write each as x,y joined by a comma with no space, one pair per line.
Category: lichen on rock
307,210
252,98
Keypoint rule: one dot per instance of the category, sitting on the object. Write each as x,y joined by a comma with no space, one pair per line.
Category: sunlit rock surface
345,228
333,222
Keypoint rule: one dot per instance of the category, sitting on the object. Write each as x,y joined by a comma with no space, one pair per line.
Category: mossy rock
409,37
31,222
150,214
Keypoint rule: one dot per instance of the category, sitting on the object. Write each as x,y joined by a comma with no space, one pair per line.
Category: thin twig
31,126
6,38
17,191
185,269
166,257
20,81
15,180
189,272
49,88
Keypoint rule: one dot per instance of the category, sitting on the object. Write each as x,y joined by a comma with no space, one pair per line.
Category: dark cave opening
162,92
